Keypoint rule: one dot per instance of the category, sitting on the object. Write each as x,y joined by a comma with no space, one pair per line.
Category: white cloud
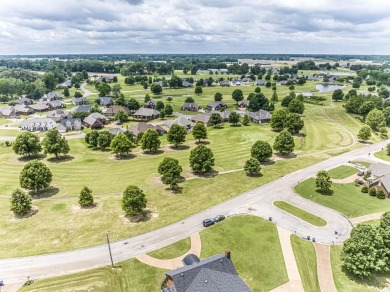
204,26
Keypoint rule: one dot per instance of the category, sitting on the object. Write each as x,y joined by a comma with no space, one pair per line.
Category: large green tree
201,159
104,139
234,118
218,96
278,119
284,143
150,141
338,95
198,90
170,170
294,123
121,145
20,202
199,131
237,95
54,143
261,150
296,106
323,181
35,176
364,133
133,201
176,135
252,167
92,138
27,144
121,116
375,119
216,119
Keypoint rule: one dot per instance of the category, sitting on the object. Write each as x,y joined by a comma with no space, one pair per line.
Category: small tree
234,118
284,143
121,116
245,120
278,120
296,106
201,159
338,95
189,99
381,195
323,181
78,94
252,167
274,97
237,95
168,110
372,192
133,201
215,119
176,135
170,170
199,131
198,90
66,92
261,151
150,141
104,139
364,133
54,143
20,202
86,198
218,96
92,138
376,119
35,176
27,144
160,105
294,123
147,98
155,88
121,145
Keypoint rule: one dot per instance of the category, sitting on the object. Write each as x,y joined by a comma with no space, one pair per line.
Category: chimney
227,253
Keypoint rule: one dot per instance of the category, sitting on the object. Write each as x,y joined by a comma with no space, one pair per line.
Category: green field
4,121
302,214
382,155
342,172
305,256
172,251
348,283
260,265
346,198
366,164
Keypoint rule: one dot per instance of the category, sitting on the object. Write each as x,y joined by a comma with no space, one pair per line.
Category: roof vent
205,281
182,274
221,260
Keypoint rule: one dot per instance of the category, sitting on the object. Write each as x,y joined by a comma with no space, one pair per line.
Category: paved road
257,202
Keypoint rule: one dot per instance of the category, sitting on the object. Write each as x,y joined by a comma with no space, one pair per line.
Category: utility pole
109,249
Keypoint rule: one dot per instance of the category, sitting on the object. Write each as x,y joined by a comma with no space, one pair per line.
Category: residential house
259,82
24,101
98,116
224,83
150,104
159,83
116,131
246,80
186,84
93,123
38,124
224,115
80,100
260,117
111,111
283,82
204,118
8,112
216,105
59,115
243,103
236,82
312,78
179,121
22,109
66,84
39,107
190,106
146,114
305,94
82,109
379,177
215,273
140,128
70,125
51,96
55,104
105,101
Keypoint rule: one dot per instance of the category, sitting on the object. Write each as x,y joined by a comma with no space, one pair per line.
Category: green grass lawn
131,276
4,121
260,265
302,214
382,155
255,250
348,283
305,256
346,198
172,251
373,223
366,164
342,172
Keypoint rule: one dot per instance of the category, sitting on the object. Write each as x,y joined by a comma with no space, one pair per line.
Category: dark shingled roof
216,273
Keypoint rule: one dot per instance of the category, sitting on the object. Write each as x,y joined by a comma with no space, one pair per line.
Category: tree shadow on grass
29,214
89,207
204,142
158,152
268,162
144,216
176,190
33,157
257,175
59,159
180,147
125,157
210,174
286,156
325,192
378,280
45,193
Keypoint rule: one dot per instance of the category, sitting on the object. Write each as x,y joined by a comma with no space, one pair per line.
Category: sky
194,26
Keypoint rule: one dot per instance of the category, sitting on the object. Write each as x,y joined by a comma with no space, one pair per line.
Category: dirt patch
144,216
32,212
97,206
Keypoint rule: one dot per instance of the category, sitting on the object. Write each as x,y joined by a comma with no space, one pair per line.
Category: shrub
372,192
380,194
365,189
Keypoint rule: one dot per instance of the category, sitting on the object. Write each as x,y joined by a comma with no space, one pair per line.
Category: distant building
38,124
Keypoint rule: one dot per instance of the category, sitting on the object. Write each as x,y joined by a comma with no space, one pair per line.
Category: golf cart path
355,221
171,264
324,268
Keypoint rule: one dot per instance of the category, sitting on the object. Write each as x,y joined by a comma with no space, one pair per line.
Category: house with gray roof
82,109
55,104
22,109
95,121
179,121
150,104
51,96
191,106
105,101
59,115
8,112
243,103
140,128
224,115
216,106
66,84
38,124
25,101
68,125
216,273
224,83
80,100
146,114
259,82
260,117
379,177
116,131
111,111
186,84
204,118
39,107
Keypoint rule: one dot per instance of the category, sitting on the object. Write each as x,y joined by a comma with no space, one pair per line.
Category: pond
328,87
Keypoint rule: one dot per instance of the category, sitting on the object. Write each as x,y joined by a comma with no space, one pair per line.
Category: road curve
258,202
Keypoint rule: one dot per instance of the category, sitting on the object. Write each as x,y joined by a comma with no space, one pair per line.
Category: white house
38,124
